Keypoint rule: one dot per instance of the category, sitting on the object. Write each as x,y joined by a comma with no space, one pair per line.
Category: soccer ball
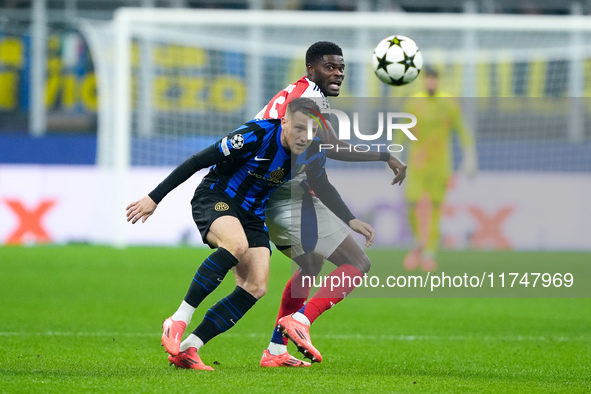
397,60
237,141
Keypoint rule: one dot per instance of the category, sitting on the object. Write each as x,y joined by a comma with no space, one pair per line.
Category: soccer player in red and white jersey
325,71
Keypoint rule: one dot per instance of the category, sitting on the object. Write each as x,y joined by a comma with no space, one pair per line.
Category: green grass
82,318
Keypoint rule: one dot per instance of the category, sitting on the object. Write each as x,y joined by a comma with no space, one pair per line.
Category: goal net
172,81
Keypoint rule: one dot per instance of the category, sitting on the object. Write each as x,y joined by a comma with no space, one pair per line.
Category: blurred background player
431,161
331,240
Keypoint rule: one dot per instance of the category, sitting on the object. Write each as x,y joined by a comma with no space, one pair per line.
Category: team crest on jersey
237,141
277,175
221,206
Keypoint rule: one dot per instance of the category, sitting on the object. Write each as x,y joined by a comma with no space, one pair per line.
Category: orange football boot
172,333
299,333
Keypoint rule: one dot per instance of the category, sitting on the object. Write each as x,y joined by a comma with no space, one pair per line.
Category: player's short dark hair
321,48
430,72
304,105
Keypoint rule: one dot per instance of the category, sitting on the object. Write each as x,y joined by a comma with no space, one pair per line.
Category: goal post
170,81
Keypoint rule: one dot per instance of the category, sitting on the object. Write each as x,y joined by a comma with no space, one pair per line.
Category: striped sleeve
239,143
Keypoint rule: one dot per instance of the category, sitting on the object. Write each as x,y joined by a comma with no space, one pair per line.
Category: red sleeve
278,104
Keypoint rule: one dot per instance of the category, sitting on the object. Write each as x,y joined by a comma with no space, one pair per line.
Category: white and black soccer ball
397,60
237,141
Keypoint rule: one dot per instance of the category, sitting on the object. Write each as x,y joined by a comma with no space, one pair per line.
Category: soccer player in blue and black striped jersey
229,210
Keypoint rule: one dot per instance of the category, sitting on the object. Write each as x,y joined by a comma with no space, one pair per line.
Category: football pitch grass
88,319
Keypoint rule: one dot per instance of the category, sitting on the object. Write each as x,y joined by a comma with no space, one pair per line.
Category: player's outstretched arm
215,154
145,207
343,151
141,209
364,229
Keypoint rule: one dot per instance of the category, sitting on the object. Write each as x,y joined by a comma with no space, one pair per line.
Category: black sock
209,275
225,314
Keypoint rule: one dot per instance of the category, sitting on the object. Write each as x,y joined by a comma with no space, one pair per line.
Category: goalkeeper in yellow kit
430,166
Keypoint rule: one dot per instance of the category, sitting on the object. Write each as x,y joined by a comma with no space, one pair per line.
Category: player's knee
310,265
364,264
237,248
312,269
358,260
257,290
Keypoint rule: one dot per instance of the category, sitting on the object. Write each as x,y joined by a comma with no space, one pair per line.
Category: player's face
328,73
431,84
294,134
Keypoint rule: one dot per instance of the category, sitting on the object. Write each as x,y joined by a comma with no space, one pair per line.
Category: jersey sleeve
276,108
261,113
318,97
240,143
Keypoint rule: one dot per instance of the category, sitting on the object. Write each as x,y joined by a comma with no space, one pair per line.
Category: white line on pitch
402,338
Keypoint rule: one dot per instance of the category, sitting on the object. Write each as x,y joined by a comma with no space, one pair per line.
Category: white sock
276,349
184,313
301,318
191,341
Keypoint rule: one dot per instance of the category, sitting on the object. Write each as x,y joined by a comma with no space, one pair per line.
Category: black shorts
208,205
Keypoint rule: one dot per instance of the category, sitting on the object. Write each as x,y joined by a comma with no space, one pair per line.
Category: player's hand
141,209
469,164
399,169
364,229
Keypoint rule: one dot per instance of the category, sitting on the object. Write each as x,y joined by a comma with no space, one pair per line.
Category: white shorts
283,218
